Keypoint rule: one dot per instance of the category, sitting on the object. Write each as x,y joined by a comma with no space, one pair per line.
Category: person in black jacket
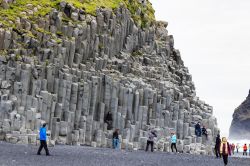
198,129
109,120
204,131
217,146
116,141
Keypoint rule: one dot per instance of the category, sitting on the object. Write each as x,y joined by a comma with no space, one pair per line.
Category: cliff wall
69,68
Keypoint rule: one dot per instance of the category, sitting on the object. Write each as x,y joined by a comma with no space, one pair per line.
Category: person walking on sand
233,148
237,148
217,146
173,142
43,139
225,150
150,141
116,141
249,149
245,150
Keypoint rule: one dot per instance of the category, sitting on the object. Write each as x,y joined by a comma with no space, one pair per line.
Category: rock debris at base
78,68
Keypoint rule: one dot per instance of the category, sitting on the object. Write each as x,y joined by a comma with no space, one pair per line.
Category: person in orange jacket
245,150
225,150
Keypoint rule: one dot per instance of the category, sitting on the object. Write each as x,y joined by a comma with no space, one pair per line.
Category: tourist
173,142
225,150
109,120
249,149
204,131
116,141
217,146
198,129
245,150
233,148
237,148
43,139
150,141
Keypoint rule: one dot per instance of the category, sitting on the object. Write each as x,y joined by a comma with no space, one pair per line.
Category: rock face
241,119
70,69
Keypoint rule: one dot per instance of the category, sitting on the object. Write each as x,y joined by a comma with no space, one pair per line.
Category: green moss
18,57
43,31
46,62
20,7
137,53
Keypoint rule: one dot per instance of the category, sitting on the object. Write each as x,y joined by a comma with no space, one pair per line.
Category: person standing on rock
245,150
173,142
217,146
116,141
43,139
109,120
204,131
225,150
150,141
198,129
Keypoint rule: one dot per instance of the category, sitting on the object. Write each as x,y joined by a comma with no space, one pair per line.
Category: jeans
116,143
198,133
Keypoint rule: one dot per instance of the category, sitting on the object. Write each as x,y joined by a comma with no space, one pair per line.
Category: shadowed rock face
241,119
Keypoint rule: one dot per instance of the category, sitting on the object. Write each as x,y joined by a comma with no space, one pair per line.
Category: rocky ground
11,155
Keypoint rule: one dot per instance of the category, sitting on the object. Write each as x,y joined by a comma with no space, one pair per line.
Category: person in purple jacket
43,138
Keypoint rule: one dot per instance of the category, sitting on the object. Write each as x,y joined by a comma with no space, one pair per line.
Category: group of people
245,148
199,131
152,134
224,149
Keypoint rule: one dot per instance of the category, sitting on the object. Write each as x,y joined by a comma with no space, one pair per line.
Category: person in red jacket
245,149
225,150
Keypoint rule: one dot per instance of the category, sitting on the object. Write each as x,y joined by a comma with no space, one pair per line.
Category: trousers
43,144
225,159
152,145
173,145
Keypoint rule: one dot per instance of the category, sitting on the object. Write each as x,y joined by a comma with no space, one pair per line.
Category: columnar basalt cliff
241,119
70,68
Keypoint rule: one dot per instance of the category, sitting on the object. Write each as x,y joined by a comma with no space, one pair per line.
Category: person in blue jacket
43,138
173,142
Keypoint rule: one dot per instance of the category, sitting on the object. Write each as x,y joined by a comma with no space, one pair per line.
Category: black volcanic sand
21,155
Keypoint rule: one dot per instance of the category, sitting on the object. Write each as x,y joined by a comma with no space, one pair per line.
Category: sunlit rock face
241,120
